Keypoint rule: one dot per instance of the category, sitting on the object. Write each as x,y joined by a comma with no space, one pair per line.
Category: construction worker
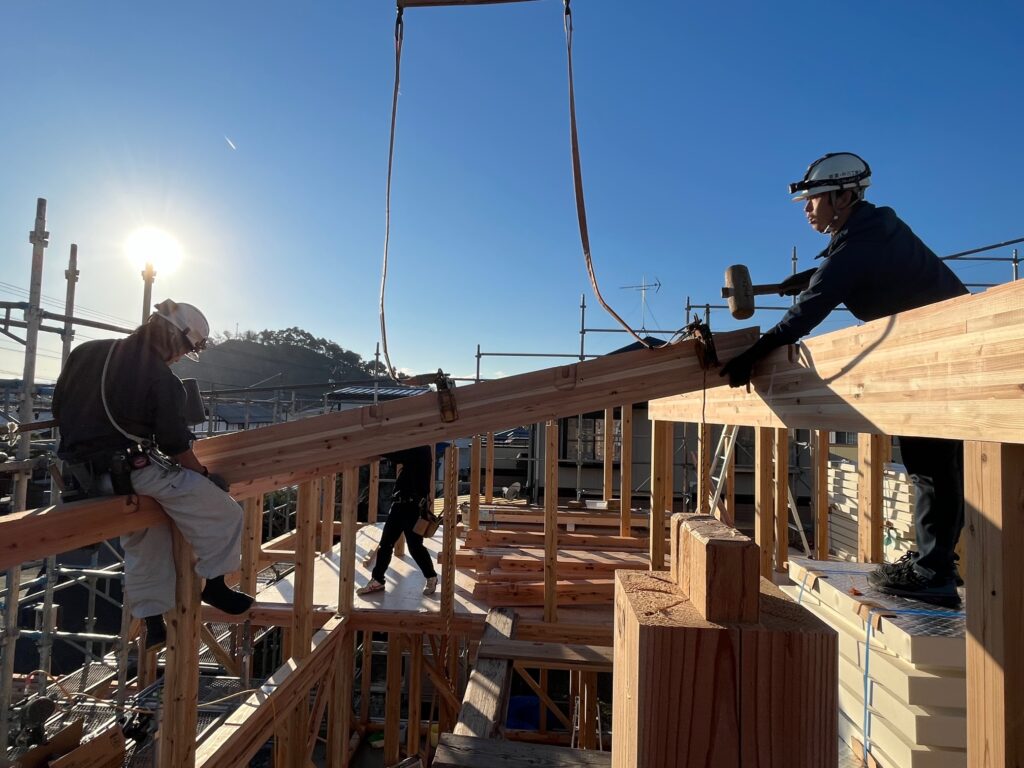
876,266
121,413
409,504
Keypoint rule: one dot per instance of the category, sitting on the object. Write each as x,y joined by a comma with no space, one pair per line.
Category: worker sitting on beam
877,266
122,418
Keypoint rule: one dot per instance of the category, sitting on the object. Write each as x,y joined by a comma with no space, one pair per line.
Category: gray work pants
208,518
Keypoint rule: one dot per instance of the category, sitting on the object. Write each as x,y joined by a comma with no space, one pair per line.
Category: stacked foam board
897,502
911,671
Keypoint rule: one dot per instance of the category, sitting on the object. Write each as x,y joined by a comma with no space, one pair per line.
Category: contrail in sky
230,143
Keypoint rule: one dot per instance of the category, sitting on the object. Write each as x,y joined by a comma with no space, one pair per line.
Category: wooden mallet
741,292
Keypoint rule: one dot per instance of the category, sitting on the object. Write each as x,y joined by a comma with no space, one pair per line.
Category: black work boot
887,571
224,598
156,631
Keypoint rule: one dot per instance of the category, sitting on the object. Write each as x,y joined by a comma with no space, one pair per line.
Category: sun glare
150,245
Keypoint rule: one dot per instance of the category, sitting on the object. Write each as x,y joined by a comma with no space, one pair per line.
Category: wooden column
608,484
550,521
703,468
374,498
305,556
819,464
764,497
626,472
728,515
252,533
474,485
448,544
177,745
994,494
869,498
328,491
393,700
489,475
341,706
781,499
661,460
412,741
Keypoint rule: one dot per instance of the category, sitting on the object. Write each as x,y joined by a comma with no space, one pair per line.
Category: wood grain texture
483,706
626,472
869,498
764,498
951,369
539,655
718,569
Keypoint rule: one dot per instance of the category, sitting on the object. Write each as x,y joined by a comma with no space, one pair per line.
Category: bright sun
150,245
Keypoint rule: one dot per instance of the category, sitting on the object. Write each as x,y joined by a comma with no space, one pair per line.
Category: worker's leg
936,468
208,518
419,552
394,526
149,571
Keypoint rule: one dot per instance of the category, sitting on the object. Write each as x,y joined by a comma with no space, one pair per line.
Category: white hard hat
835,171
187,319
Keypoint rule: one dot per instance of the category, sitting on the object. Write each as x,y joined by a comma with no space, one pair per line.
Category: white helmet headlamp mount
834,172
189,320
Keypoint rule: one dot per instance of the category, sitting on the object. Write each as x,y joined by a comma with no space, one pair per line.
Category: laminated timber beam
953,369
271,457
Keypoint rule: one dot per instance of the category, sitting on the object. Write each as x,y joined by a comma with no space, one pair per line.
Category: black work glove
796,284
219,481
738,369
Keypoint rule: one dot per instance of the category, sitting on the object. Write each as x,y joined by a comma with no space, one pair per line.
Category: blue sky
693,118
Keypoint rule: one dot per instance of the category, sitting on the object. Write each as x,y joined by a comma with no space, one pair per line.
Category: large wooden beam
994,493
343,437
951,369
487,691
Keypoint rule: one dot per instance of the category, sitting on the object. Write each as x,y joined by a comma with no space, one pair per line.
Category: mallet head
739,291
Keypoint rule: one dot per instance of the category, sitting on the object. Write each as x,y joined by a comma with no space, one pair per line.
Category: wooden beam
487,691
305,555
412,742
468,752
393,699
819,459
764,497
320,443
177,738
898,375
497,538
341,704
252,533
626,471
329,489
550,520
870,513
374,498
994,494
781,499
540,655
717,569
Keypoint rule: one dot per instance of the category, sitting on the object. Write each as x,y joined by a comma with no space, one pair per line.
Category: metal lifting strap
581,210
399,34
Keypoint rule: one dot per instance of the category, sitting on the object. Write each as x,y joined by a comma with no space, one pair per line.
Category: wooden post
474,484
608,485
550,521
341,706
374,498
489,475
819,459
715,561
451,503
252,533
869,498
703,468
177,747
626,472
764,498
729,514
328,493
661,444
305,555
994,495
781,499
393,700
412,742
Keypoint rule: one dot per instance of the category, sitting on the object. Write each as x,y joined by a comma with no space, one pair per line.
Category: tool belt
428,523
90,472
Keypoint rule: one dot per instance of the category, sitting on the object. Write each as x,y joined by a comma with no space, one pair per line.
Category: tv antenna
644,287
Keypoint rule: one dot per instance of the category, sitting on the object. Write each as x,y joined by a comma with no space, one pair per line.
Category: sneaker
430,587
156,631
908,582
370,587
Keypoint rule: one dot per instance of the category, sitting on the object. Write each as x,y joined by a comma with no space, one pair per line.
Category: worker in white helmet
121,413
876,266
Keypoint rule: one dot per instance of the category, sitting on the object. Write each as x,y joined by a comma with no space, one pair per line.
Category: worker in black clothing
409,503
121,413
877,266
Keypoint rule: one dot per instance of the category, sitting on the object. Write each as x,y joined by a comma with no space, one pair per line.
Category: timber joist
954,369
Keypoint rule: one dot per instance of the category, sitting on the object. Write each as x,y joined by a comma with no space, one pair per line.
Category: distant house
359,395
231,417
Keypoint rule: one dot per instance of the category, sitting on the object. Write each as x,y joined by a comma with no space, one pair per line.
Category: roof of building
389,392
